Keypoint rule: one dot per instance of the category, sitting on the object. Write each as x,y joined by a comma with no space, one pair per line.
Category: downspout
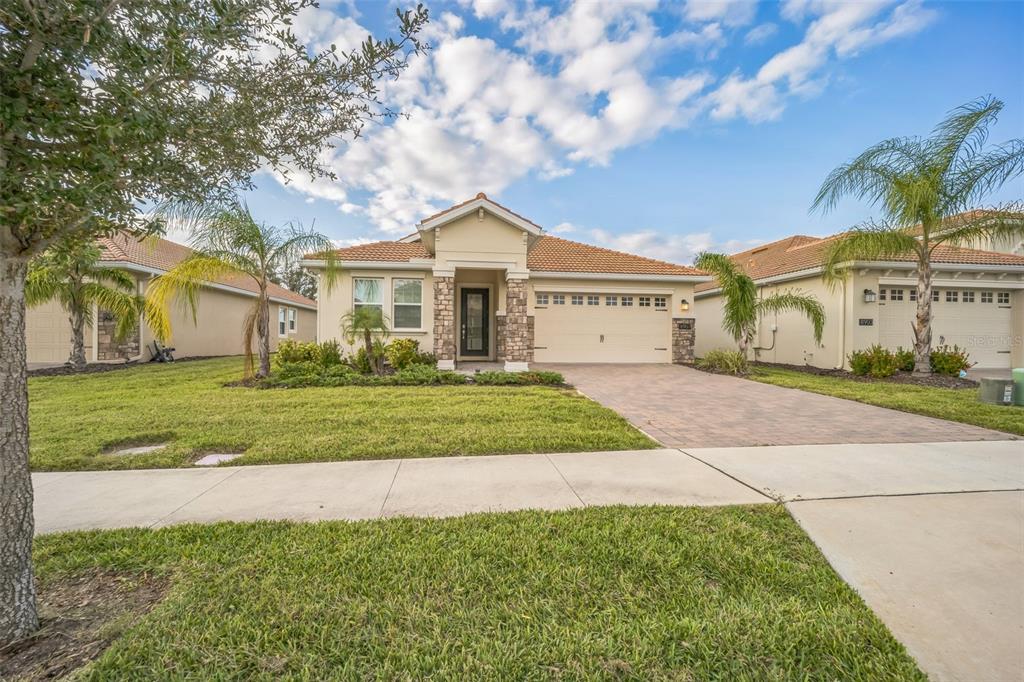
842,328
775,327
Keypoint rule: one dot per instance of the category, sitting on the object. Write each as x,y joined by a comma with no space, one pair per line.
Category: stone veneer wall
517,345
444,318
529,332
499,337
684,336
107,347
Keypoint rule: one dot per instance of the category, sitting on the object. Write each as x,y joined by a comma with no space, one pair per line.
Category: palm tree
926,189
228,242
369,324
70,272
743,308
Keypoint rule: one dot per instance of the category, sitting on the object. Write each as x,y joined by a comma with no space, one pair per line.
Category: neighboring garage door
976,319
601,327
48,333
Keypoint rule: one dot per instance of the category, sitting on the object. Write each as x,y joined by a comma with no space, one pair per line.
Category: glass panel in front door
475,322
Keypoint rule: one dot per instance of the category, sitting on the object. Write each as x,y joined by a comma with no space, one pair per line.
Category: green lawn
602,593
75,419
959,405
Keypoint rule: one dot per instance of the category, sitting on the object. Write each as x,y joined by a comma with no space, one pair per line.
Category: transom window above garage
896,294
968,297
1004,298
644,301
558,299
986,297
542,299
611,300
593,300
577,299
952,296
660,302
627,301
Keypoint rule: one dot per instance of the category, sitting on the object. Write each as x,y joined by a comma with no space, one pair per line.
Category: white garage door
602,327
48,333
976,319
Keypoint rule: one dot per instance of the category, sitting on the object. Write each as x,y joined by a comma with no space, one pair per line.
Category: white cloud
674,248
729,12
839,30
760,33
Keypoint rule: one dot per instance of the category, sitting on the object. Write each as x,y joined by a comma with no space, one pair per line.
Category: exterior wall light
684,305
870,296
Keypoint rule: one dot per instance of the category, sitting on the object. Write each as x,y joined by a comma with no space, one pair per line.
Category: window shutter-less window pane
407,316
368,291
408,291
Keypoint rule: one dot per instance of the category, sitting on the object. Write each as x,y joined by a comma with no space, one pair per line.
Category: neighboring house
977,303
479,282
217,327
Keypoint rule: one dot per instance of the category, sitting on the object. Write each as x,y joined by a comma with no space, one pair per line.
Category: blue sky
661,129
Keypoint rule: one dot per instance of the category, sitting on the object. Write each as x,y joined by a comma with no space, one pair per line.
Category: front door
476,331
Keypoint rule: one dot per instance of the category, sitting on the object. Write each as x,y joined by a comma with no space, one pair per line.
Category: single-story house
478,282
977,304
216,330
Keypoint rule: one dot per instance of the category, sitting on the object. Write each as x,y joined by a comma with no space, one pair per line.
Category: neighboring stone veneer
517,335
444,318
107,347
684,335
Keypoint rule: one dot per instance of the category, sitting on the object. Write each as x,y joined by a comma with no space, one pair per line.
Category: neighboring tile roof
480,195
549,254
800,252
162,254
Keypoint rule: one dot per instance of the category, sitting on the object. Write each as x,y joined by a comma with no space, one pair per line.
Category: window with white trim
1003,298
896,295
881,294
968,297
292,315
986,297
281,330
577,299
611,300
593,300
935,295
952,296
660,302
644,301
368,293
407,303
627,301
913,294
542,299
558,299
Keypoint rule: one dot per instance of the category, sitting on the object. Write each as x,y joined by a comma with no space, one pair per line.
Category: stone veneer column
444,319
107,346
517,325
684,336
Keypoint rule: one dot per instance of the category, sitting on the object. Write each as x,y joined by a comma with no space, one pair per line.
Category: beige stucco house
477,282
977,303
216,330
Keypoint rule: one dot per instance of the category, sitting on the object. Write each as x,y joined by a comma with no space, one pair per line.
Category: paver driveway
683,407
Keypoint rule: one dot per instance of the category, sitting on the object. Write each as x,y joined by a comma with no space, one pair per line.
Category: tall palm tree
743,308
228,242
926,189
71,273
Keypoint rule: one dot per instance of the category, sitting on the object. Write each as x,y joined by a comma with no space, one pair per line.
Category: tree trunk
18,617
263,334
368,341
923,320
77,358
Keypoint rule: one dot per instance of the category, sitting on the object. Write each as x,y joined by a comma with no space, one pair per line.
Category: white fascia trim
483,264
583,289
956,283
619,277
471,207
125,265
422,265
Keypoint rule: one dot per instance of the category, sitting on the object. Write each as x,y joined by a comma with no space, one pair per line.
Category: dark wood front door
475,335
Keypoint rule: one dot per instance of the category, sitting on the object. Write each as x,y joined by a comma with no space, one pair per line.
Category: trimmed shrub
330,353
360,361
289,352
425,375
403,353
499,378
876,361
950,361
905,359
305,368
723,361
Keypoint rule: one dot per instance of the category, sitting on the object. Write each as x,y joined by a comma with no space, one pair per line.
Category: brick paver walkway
683,407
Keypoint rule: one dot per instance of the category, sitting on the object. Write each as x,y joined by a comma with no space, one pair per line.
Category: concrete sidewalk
381,488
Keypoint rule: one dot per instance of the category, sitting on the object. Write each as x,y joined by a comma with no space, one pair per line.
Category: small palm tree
743,309
370,325
926,189
71,273
228,242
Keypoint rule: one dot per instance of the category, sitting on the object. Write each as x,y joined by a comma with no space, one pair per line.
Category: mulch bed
933,380
100,367
79,617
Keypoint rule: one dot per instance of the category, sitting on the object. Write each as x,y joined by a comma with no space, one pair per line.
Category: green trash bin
1018,386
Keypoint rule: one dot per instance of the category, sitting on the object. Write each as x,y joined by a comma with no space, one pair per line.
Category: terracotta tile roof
800,252
384,251
549,254
554,254
162,254
480,195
